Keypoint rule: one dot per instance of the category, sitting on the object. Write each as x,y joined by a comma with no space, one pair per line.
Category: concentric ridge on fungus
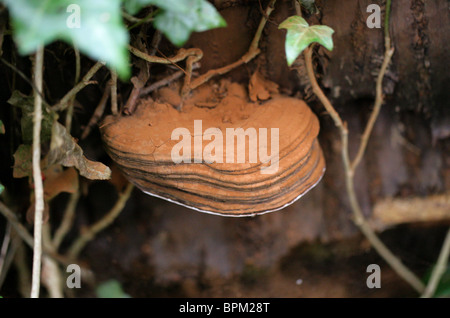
141,146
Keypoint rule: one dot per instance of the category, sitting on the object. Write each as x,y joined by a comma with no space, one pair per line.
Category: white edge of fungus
243,214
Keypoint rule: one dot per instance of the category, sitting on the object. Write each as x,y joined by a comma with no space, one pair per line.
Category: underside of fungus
204,175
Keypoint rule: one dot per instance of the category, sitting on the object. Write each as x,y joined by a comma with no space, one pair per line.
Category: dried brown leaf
58,180
65,151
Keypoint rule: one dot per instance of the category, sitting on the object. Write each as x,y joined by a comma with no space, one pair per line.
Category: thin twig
376,109
5,246
51,274
69,113
192,56
318,91
165,81
252,52
23,271
359,219
64,102
254,46
25,234
220,71
298,8
439,269
88,234
130,17
378,245
157,37
387,37
379,98
67,221
37,176
180,56
146,19
99,110
144,70
19,227
52,277
15,242
114,105
23,76
358,216
138,83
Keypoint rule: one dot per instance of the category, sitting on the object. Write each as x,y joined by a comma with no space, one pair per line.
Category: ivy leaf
111,289
59,180
2,128
65,151
95,27
179,18
134,6
2,187
309,5
26,104
300,35
23,162
443,288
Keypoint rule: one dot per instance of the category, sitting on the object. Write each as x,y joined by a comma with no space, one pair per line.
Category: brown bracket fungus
222,153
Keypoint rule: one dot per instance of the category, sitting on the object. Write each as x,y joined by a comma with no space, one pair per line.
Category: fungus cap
143,144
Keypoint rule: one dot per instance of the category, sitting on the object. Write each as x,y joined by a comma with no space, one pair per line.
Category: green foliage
300,35
26,104
309,5
97,29
178,19
111,289
101,33
443,289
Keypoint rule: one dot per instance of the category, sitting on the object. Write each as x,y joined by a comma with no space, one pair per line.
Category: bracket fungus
222,153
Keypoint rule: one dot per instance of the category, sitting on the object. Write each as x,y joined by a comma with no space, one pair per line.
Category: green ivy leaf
2,128
300,35
2,187
134,6
443,288
179,18
309,5
111,289
100,33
